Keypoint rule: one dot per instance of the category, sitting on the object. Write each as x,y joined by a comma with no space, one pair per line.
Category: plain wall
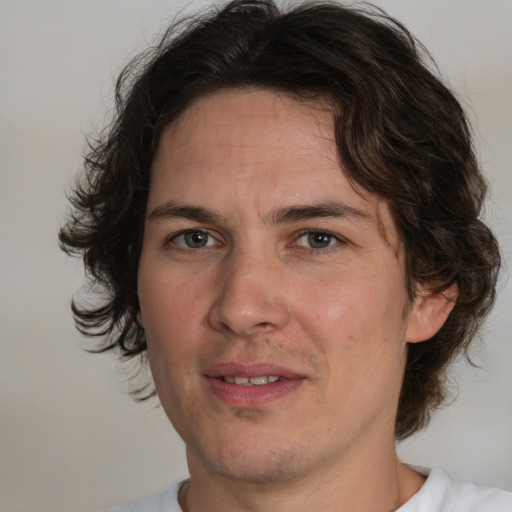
71,439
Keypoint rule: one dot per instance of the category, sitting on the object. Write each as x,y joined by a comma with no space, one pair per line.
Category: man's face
261,262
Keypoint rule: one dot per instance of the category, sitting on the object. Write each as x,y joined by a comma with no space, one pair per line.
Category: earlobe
429,312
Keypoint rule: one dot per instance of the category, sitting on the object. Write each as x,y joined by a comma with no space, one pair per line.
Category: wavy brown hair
400,133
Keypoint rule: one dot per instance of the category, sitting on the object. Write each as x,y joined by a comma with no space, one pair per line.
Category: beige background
70,437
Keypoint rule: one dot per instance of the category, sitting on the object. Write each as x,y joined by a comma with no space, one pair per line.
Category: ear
429,312
139,319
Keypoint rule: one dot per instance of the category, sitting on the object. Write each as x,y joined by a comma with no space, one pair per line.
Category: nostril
263,325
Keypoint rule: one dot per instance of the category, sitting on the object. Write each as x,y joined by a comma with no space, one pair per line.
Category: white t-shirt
438,494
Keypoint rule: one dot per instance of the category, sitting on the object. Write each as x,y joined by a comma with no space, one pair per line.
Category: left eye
194,239
316,240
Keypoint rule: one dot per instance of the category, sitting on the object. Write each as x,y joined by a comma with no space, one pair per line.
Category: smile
252,385
251,381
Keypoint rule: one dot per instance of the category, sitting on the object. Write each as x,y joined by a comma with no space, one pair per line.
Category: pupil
196,239
319,240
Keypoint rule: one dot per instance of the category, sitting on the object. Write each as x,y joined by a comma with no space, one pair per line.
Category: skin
243,263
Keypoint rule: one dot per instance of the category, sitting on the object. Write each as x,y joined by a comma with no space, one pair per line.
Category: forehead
252,119
266,148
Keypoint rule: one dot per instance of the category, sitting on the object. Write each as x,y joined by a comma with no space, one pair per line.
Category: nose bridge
251,294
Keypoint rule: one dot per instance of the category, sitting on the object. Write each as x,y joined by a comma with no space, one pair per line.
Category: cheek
356,306
167,317
357,320
169,310
170,306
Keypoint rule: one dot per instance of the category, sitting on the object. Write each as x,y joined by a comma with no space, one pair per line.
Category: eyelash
333,240
203,232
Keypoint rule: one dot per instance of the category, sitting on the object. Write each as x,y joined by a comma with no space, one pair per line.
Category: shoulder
469,497
166,501
441,494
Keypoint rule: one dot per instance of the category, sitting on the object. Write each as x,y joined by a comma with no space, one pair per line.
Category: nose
251,297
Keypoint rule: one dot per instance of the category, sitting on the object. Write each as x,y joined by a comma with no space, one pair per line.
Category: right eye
193,239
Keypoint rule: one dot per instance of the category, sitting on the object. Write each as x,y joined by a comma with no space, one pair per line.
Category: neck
366,483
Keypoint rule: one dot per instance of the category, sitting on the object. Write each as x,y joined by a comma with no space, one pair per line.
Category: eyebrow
289,214
173,210
335,209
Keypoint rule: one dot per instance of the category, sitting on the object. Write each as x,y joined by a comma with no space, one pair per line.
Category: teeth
251,381
257,381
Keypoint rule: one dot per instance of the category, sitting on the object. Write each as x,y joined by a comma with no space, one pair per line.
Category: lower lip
252,396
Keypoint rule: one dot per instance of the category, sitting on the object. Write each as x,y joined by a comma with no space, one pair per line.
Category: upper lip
255,369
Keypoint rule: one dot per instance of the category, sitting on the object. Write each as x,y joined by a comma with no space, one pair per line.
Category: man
285,218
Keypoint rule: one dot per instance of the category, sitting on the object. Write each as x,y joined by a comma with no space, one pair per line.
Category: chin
262,473
264,466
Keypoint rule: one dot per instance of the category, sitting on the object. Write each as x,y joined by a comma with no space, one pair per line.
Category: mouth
252,385
251,381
